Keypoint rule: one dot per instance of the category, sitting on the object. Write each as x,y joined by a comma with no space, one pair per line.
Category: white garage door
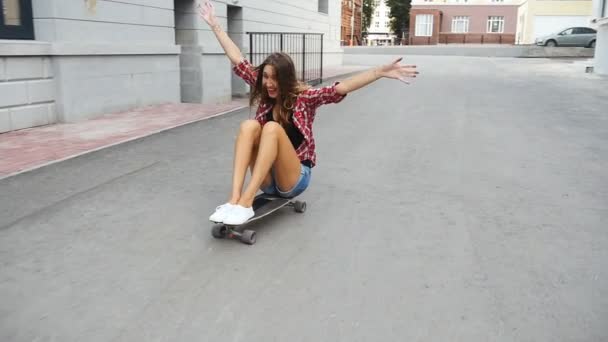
548,24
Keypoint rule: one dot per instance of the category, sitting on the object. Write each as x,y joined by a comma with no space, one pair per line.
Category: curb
138,137
511,51
331,79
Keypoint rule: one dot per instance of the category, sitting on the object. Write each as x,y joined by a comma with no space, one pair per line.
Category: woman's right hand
207,12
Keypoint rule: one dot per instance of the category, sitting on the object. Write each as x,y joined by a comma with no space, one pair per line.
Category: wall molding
37,48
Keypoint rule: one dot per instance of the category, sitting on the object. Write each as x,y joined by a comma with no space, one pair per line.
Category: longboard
263,205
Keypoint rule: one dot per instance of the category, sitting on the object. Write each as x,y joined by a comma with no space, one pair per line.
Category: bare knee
271,128
250,127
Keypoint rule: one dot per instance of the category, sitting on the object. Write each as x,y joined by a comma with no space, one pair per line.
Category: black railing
306,50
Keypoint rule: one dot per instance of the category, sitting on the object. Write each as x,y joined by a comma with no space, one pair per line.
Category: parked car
573,36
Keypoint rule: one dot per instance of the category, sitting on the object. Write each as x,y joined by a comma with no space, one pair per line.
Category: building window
16,19
460,24
424,25
386,24
496,24
377,24
323,6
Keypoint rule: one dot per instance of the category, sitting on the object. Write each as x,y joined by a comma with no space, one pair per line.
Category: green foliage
399,14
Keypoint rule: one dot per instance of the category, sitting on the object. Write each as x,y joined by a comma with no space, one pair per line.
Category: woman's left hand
397,71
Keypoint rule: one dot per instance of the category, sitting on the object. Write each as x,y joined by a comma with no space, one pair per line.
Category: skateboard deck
263,205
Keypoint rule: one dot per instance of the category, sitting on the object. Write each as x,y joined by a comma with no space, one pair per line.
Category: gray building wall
109,55
27,87
92,57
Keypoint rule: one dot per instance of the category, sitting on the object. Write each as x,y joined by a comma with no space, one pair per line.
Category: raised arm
393,70
207,12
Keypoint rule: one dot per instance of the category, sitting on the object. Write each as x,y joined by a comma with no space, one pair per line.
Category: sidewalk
32,148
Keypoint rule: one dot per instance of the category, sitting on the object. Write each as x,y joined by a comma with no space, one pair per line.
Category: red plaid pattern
304,109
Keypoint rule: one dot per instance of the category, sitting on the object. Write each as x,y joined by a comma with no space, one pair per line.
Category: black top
295,136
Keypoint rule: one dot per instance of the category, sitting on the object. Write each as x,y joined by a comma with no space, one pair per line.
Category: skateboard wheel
248,237
299,207
219,231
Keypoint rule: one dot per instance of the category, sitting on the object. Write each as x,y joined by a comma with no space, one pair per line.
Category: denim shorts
299,188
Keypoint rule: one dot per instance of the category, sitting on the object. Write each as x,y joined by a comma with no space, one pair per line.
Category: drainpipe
352,21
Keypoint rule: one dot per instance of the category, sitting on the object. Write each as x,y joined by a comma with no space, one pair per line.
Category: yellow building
537,18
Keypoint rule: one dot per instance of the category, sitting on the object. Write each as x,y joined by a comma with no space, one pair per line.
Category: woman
278,146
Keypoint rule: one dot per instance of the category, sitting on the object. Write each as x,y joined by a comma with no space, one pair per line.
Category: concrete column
236,33
601,49
205,69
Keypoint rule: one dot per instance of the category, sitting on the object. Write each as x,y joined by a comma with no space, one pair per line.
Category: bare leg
254,156
246,142
275,150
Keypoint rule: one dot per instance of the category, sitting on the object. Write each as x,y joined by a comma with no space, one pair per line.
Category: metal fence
306,50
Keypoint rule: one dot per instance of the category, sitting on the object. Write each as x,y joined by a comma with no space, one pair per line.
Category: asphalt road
471,205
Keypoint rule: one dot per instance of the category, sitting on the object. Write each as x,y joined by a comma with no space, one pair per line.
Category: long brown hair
288,85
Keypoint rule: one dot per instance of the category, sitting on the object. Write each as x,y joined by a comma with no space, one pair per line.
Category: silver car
573,36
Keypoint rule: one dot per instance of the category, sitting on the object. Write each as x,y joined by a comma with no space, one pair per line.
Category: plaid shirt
304,109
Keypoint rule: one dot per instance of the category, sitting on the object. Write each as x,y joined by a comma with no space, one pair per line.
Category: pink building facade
478,24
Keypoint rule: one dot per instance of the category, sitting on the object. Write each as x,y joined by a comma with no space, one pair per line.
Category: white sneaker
221,213
238,215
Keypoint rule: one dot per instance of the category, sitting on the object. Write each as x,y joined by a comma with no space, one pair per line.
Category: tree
400,15
368,8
